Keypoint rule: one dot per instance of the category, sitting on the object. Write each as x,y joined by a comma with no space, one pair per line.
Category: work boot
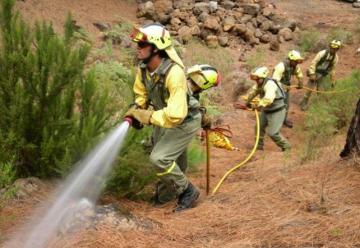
187,198
288,123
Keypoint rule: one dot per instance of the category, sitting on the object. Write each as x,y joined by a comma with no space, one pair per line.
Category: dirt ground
272,202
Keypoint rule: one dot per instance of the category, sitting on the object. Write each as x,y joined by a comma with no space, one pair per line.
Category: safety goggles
138,36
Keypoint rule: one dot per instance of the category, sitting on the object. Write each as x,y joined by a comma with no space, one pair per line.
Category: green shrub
309,40
196,155
7,174
133,170
50,106
329,114
339,33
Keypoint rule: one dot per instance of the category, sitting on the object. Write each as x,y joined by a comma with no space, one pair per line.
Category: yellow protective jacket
314,67
176,108
268,92
283,72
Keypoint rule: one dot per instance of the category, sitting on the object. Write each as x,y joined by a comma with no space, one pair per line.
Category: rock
258,33
286,34
228,23
274,45
254,22
228,4
266,26
192,21
356,5
212,41
202,17
26,186
175,23
261,19
240,28
102,26
265,38
275,28
195,31
163,18
185,34
268,12
251,9
223,41
147,10
213,6
184,5
245,18
201,7
163,6
358,51
212,23
205,33
291,24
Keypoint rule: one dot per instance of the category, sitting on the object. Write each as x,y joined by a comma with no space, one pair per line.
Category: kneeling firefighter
271,104
162,99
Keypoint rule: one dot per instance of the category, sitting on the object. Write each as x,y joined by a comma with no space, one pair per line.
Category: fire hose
245,160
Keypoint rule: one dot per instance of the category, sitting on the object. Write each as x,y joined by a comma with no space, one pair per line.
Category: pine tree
51,110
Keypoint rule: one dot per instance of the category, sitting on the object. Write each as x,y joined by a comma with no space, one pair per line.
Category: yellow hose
247,159
322,91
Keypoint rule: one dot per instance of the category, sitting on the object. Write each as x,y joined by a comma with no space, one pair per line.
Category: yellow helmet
154,33
335,44
204,76
295,56
259,72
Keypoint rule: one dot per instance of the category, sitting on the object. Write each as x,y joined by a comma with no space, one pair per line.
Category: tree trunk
352,145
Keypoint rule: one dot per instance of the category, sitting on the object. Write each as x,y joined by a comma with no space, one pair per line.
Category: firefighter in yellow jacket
283,73
322,66
271,104
162,99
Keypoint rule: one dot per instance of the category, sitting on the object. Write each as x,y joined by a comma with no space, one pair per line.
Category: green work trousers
169,157
272,122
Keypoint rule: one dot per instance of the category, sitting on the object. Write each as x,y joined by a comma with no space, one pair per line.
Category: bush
329,114
256,59
346,37
309,41
51,109
7,174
